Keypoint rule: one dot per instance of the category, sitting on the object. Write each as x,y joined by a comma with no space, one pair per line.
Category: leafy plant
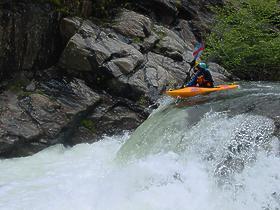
245,38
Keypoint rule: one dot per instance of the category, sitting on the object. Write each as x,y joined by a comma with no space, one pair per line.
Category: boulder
171,45
161,71
221,73
88,53
132,24
76,56
68,27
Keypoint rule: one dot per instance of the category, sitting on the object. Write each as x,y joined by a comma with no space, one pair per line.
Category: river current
214,152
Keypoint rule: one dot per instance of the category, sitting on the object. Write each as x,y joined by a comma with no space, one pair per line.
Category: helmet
202,65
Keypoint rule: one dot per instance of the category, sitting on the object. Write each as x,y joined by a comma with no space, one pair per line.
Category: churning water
214,152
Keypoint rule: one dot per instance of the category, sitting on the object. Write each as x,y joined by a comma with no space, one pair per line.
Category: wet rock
132,24
74,95
47,113
16,126
117,115
113,116
32,121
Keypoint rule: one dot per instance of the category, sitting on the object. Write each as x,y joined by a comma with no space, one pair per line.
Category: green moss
89,124
137,40
142,101
160,32
178,3
17,85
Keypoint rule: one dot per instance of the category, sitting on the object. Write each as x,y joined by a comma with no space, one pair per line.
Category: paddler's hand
192,63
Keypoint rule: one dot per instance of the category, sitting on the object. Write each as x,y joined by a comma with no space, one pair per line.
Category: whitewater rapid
194,155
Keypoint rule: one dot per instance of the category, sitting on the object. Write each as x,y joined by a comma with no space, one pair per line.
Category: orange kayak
193,91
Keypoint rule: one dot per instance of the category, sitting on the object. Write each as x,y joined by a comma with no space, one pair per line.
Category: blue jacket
206,74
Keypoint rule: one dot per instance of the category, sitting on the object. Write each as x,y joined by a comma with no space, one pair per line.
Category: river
214,152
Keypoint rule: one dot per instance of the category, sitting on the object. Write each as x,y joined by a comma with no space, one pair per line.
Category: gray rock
132,24
221,72
76,56
69,26
47,113
32,122
89,54
74,96
15,125
149,42
171,45
185,32
157,73
89,29
115,116
162,71
31,86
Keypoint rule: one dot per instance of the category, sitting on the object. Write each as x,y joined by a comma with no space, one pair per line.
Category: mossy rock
89,124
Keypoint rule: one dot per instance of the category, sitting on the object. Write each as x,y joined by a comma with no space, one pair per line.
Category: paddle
198,49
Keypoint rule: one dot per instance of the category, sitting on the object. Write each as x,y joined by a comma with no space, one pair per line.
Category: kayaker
202,77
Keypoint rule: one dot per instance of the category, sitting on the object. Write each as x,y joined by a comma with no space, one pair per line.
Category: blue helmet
202,65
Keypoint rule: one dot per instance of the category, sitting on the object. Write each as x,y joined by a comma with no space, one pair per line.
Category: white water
166,176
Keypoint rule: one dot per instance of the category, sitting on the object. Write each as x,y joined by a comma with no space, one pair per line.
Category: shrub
245,38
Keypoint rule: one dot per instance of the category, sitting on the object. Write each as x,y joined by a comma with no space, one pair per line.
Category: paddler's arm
193,81
188,77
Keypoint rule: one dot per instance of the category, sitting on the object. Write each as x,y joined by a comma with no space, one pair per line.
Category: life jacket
204,83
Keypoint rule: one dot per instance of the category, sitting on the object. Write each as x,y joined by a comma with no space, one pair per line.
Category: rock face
41,118
124,67
103,79
29,38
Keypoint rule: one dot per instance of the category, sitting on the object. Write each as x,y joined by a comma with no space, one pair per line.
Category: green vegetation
89,124
142,101
245,38
178,3
160,32
137,40
17,85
